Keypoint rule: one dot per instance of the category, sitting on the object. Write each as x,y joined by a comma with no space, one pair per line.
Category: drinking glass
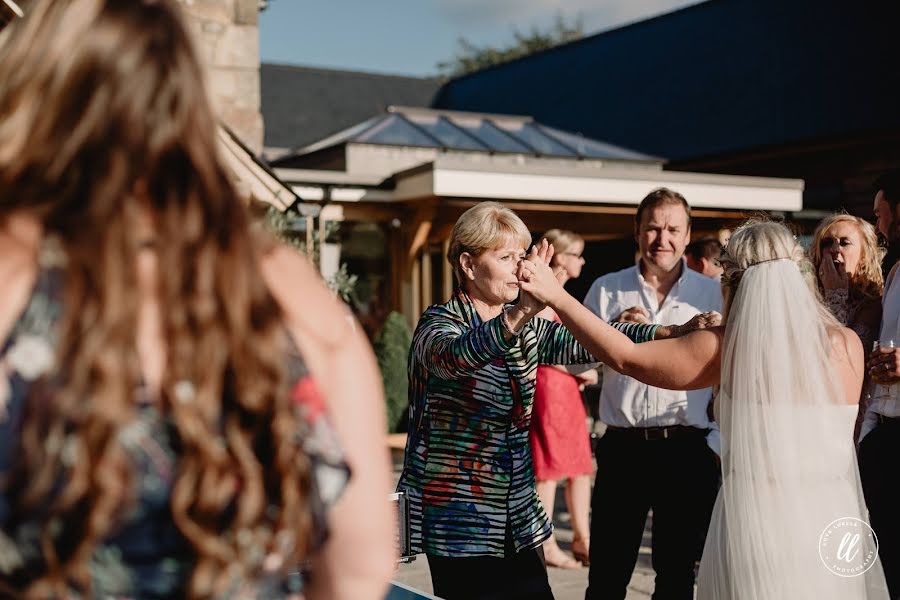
880,390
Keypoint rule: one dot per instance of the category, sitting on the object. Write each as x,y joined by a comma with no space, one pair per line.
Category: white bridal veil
789,520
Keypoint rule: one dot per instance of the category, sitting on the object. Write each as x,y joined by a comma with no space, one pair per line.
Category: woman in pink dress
560,441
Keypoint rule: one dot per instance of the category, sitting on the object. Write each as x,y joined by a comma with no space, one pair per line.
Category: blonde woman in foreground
790,378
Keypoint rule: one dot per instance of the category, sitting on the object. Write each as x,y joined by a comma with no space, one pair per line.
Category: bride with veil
790,519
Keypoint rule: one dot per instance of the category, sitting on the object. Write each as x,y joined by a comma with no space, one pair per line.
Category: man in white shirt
654,454
879,447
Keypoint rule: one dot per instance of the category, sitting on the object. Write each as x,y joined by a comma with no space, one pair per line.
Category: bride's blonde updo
756,242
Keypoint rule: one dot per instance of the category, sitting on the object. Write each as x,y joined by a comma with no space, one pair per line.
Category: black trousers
679,479
518,576
879,452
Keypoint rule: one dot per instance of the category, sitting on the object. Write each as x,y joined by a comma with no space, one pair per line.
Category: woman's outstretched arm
689,362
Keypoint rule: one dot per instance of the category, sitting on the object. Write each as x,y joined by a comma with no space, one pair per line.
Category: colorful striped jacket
468,471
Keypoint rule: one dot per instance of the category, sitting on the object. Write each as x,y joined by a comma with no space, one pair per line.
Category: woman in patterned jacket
468,472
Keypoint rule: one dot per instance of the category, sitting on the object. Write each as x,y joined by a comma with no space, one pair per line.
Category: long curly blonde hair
868,280
100,98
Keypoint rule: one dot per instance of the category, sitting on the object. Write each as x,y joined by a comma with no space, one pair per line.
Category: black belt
883,420
656,433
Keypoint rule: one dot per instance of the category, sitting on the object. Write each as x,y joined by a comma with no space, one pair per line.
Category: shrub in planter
392,351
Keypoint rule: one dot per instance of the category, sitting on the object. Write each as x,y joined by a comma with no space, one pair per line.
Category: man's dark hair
889,183
708,248
661,196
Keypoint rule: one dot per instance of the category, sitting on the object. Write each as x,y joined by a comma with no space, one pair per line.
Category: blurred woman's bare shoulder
311,311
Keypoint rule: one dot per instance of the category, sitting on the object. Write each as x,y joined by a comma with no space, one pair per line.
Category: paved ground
567,584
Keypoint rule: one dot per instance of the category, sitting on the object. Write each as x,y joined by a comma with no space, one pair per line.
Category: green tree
392,351
470,57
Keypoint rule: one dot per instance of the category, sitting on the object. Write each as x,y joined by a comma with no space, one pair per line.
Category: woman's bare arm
359,557
684,363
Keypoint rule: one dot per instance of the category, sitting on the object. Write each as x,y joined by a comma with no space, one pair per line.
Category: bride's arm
685,363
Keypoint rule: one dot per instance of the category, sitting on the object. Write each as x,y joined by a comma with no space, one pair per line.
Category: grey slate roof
302,105
474,132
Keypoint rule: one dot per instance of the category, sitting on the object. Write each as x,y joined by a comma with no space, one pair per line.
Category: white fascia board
418,185
309,192
14,7
614,190
316,193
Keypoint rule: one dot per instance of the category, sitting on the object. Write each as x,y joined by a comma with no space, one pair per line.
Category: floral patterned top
147,557
468,470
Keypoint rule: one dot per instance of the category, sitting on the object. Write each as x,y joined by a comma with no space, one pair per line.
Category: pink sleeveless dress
560,441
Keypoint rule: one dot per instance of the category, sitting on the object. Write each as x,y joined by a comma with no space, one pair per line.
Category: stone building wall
227,37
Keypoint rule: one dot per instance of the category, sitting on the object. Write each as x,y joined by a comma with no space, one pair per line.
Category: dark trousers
879,452
518,576
679,479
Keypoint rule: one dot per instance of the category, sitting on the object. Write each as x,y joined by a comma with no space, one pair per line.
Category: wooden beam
441,232
419,228
594,209
605,237
381,212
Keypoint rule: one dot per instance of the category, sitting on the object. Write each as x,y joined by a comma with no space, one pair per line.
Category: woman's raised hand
536,278
833,276
539,254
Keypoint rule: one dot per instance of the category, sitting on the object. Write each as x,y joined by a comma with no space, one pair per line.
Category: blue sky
410,37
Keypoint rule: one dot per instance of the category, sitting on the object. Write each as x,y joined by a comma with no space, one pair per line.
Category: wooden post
321,234
415,238
447,272
415,307
427,288
310,245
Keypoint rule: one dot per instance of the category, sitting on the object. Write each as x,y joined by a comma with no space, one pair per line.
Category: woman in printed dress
161,433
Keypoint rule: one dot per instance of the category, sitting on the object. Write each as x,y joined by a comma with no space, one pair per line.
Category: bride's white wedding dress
785,522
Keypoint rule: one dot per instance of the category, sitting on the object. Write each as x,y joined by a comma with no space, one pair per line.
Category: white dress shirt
626,402
885,399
